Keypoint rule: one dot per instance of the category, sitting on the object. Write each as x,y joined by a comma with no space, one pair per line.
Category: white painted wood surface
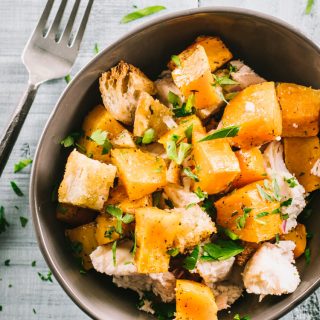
17,20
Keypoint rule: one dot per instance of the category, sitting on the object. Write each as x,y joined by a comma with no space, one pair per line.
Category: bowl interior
273,49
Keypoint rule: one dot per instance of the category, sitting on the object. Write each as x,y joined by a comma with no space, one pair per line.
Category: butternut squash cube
301,155
183,124
249,215
256,110
155,232
73,215
216,164
86,182
140,172
300,110
299,236
251,165
194,76
194,301
150,114
100,118
83,242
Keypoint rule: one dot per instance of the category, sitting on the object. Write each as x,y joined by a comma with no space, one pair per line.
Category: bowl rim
166,17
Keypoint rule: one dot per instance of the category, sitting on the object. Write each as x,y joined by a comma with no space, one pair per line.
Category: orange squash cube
300,110
256,110
301,155
140,172
216,164
194,301
244,213
155,232
299,236
251,166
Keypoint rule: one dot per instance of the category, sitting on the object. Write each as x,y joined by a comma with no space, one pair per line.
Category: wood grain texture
17,20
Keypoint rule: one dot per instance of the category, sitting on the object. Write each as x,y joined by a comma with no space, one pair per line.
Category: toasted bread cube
251,166
150,114
86,182
194,76
120,88
155,233
194,301
300,110
301,156
216,164
83,242
100,119
257,112
73,215
238,212
118,196
140,172
173,173
183,124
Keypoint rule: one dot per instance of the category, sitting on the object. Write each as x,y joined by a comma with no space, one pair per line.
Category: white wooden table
21,289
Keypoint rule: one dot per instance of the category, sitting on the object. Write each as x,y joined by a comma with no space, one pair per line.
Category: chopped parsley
69,141
173,252
23,221
33,263
174,99
109,232
176,60
76,247
241,221
114,253
238,317
201,194
292,182
3,221
45,277
230,234
277,238
141,13
221,250
231,131
264,195
309,6
21,164
262,214
134,248
190,261
177,154
188,133
100,137
148,136
34,310
7,263
286,203
67,78
190,174
96,48
16,189
223,80
184,109
118,214
276,189
307,255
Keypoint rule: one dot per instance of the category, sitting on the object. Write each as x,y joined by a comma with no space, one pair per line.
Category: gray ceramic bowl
274,49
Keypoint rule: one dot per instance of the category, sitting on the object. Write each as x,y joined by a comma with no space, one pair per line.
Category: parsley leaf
264,195
190,174
23,221
114,253
33,263
96,48
3,221
237,317
201,194
221,250
241,221
307,255
127,218
67,78
69,141
118,214
176,60
223,80
21,164
47,277
230,234
286,203
100,138
292,182
261,214
16,189
141,13
231,131
309,6
174,99
186,108
188,133
148,136
190,262
7,263
173,252
181,154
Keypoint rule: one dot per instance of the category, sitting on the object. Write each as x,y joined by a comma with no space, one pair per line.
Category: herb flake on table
309,6
21,165
33,263
34,310
4,224
96,48
141,13
16,189
190,261
7,263
67,78
45,277
23,221
221,250
230,131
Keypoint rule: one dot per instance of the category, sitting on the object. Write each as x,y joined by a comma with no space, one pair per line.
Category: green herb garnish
231,131
16,189
238,317
186,108
23,221
292,182
230,234
176,60
33,263
264,195
190,174
67,78
241,221
221,250
96,48
190,262
3,221
201,194
34,310
118,214
47,277
173,252
223,80
114,253
309,6
307,255
109,232
174,99
277,238
100,137
69,141
188,133
21,164
286,203
7,263
262,214
148,136
141,13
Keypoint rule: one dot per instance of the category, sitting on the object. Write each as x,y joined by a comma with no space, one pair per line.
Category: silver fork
46,56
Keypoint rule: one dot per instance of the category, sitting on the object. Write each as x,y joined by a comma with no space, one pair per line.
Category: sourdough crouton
179,196
120,89
226,293
86,182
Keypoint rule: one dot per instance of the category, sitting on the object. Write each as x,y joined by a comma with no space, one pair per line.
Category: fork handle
12,131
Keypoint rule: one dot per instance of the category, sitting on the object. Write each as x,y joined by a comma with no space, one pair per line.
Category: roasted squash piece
140,172
216,164
301,155
299,236
100,119
155,232
257,112
249,215
173,173
251,166
86,182
83,242
194,301
300,110
75,216
183,124
150,114
193,75
118,196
